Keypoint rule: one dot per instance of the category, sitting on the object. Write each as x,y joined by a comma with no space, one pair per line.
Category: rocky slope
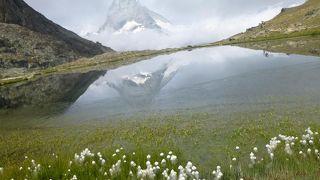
20,47
28,39
291,22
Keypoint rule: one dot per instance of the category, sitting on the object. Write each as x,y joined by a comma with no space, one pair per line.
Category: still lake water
196,80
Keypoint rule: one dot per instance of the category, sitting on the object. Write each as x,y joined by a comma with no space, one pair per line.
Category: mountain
20,13
28,39
131,16
295,30
297,21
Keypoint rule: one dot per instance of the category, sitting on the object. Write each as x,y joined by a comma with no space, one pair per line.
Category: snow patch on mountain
131,16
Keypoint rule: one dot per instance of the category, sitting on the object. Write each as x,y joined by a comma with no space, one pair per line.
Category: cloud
196,21
205,31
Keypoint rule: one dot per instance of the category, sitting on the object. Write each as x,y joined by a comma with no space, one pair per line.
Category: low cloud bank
204,31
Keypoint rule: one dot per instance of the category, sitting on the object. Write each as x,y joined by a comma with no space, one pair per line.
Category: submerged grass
207,139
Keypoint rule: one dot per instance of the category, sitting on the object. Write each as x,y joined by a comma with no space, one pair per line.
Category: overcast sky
83,16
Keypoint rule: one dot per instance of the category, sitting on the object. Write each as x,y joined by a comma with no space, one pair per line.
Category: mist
193,22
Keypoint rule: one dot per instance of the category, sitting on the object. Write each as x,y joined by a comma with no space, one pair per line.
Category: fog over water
193,21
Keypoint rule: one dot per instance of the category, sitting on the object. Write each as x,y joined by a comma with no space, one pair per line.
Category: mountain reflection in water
140,89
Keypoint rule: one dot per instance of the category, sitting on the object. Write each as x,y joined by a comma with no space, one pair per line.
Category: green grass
206,139
274,36
105,61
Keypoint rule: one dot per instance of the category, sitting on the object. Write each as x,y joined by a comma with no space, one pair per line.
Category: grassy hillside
303,20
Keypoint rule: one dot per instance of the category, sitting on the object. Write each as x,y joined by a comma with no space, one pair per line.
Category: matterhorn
131,16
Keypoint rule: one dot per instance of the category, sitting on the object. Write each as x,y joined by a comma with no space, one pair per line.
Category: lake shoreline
113,60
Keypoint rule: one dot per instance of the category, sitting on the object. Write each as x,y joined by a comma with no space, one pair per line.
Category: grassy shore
207,139
106,61
113,60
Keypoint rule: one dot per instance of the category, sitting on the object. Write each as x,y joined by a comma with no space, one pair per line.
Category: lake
204,80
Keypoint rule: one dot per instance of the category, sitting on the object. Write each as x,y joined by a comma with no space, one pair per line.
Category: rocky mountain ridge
30,40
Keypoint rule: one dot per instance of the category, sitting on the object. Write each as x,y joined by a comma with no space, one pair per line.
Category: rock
20,13
30,40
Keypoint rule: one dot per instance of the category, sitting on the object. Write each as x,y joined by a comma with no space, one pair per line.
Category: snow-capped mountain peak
131,16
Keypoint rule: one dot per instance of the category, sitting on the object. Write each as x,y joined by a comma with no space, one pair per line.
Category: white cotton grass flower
173,175
117,150
255,149
289,141
163,162
148,156
161,154
147,173
196,174
237,148
148,163
288,149
253,158
165,174
188,168
173,159
272,146
133,164
21,168
217,173
308,137
193,168
234,159
134,153
309,151
74,177
102,161
170,153
99,154
116,168
1,170
93,162
83,155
